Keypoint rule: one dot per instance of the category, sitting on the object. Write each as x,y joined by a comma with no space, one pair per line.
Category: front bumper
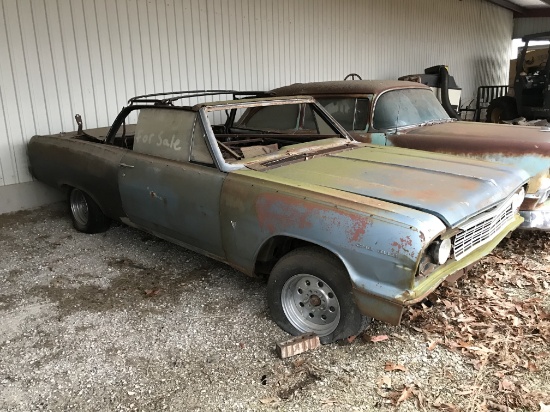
537,219
424,287
390,310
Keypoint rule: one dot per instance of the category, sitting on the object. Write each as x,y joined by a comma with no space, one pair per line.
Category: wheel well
66,188
275,248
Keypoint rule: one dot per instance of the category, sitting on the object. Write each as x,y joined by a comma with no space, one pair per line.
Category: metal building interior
65,57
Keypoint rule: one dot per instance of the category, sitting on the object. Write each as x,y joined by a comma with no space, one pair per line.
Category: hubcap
79,207
310,304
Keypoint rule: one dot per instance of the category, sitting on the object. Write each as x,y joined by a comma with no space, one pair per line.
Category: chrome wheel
79,207
310,304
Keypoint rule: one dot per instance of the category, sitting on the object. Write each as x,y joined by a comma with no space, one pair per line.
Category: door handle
125,165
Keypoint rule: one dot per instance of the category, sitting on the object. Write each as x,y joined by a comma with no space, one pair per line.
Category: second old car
407,114
343,230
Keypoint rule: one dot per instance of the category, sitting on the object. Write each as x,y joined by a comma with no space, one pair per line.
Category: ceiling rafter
520,11
510,6
539,12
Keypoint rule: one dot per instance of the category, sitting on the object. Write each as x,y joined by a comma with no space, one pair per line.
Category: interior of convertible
257,131
241,134
239,145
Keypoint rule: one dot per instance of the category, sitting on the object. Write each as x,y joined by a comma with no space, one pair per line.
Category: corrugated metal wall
61,57
531,25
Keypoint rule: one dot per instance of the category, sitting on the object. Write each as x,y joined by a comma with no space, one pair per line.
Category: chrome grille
482,230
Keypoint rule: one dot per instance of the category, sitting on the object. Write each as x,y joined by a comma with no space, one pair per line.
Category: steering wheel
353,76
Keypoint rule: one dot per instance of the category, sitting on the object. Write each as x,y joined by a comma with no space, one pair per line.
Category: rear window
283,117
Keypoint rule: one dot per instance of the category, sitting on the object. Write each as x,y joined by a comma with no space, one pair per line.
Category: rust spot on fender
402,246
282,213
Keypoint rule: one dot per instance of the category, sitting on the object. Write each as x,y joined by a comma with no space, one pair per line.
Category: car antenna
79,123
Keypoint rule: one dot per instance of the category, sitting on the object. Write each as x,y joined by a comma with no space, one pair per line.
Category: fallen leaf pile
396,397
499,318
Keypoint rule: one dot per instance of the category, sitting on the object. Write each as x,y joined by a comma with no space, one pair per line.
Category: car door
169,184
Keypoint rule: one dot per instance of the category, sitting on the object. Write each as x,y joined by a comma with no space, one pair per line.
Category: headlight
441,250
517,199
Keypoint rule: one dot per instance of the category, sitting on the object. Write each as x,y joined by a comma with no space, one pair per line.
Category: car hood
451,188
477,138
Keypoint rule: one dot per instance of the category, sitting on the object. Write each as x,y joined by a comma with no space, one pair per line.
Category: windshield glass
285,119
407,107
350,112
271,131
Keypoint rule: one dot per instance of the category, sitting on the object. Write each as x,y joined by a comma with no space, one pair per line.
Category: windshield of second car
407,107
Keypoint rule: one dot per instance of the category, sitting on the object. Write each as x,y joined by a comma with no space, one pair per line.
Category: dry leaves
270,401
374,339
396,397
390,366
443,406
151,292
406,394
497,317
506,385
384,382
328,403
433,344
351,339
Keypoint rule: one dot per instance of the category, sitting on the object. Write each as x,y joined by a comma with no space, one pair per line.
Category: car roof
344,87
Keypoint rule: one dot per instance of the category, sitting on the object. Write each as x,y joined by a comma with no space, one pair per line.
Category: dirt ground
123,321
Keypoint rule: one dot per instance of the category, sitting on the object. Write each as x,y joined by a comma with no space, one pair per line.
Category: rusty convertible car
407,114
343,230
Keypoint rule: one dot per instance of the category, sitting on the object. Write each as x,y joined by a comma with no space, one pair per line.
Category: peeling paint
277,213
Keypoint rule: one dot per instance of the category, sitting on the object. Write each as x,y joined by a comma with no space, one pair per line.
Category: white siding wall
61,57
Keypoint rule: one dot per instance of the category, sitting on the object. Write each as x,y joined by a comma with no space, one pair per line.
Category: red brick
297,345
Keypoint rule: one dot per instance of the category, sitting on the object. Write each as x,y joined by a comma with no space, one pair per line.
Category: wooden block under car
297,345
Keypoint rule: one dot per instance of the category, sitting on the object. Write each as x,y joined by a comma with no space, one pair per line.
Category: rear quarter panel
62,161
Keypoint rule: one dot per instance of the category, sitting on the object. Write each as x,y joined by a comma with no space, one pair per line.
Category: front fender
379,243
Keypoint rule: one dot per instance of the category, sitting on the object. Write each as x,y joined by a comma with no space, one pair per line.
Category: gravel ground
124,321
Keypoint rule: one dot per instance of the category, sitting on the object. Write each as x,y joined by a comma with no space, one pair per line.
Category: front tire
86,215
309,290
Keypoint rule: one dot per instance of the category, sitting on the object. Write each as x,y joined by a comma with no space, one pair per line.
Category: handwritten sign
164,133
172,143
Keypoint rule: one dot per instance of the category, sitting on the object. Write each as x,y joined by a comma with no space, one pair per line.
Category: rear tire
309,290
502,108
86,215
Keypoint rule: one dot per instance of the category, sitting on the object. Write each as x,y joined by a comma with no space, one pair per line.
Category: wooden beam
510,6
538,12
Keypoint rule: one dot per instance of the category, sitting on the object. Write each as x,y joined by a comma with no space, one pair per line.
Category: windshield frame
225,166
404,127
